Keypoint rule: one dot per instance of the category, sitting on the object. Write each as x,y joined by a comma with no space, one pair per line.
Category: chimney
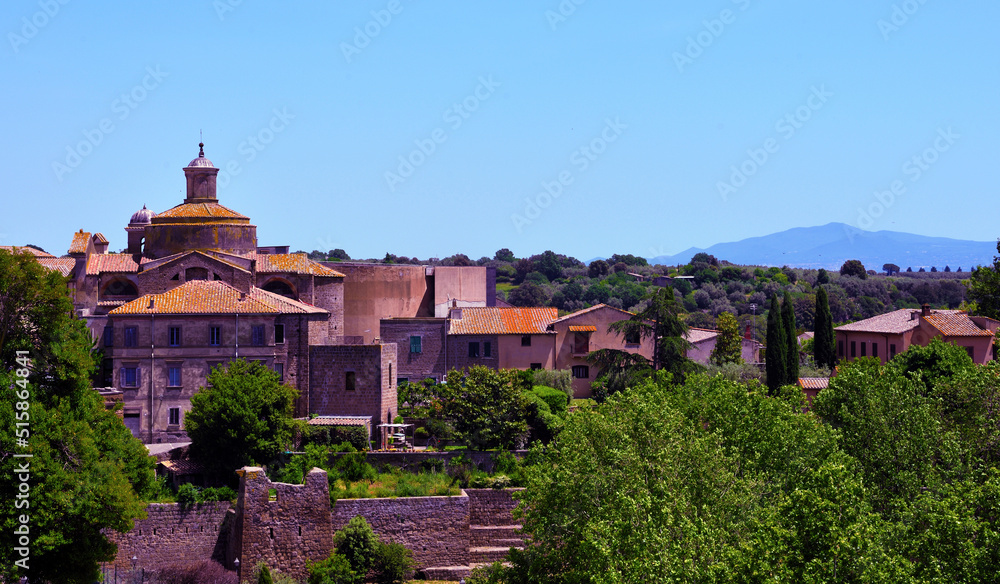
151,304
925,310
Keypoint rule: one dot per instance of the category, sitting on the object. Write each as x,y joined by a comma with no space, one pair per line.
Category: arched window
121,287
195,274
281,287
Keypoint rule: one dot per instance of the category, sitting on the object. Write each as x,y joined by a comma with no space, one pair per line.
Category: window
526,340
131,334
129,376
840,348
109,336
487,349
632,338
854,349
279,334
864,348
279,368
402,380
474,350
390,371
892,350
175,336
350,381
415,344
536,366
971,352
215,336
174,417
257,335
173,376
581,372
581,343
874,349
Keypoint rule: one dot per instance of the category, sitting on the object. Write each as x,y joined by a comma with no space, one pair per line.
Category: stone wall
430,361
374,374
435,528
491,506
175,536
458,351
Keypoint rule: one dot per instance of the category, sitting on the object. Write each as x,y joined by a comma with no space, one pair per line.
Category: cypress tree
775,354
791,342
825,340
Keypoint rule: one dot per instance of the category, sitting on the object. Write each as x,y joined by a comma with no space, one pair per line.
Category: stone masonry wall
491,506
174,536
435,528
374,392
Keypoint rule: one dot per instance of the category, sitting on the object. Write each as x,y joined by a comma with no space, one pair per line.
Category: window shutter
137,372
121,377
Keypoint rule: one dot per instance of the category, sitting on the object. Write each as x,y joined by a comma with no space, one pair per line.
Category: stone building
194,290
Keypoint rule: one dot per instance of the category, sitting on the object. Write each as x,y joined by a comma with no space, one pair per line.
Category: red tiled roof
339,421
214,297
956,325
814,382
62,265
79,243
99,238
572,315
199,211
107,263
292,263
21,249
582,328
895,322
503,321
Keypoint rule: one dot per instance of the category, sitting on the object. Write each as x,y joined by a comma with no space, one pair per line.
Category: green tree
357,543
824,345
504,255
791,342
87,472
984,288
527,294
890,269
729,344
822,277
776,351
489,406
854,268
598,269
243,416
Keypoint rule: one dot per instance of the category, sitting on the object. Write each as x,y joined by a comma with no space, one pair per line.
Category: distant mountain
829,246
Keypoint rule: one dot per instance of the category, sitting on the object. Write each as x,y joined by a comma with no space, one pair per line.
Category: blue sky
427,128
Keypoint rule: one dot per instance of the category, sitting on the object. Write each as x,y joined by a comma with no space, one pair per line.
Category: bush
333,570
555,398
187,495
354,466
559,379
393,563
264,574
212,494
357,543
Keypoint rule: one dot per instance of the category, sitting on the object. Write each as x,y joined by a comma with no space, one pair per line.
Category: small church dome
142,217
201,160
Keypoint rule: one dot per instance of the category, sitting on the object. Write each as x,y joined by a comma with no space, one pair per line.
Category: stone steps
494,535
487,555
451,573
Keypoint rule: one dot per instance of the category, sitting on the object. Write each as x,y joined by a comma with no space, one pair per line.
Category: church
193,290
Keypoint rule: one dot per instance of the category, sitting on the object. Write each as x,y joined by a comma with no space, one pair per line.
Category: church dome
201,160
142,217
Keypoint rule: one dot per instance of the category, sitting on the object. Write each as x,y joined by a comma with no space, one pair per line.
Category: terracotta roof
895,322
292,263
340,421
79,243
582,328
99,238
698,335
199,211
107,263
62,265
814,382
214,297
956,325
21,249
503,321
572,315
183,466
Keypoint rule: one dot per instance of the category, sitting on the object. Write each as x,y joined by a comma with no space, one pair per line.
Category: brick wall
435,528
174,536
157,279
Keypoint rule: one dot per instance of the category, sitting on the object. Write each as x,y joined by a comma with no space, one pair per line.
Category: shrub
354,466
559,379
357,543
333,570
264,574
421,433
187,495
393,563
555,398
212,494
